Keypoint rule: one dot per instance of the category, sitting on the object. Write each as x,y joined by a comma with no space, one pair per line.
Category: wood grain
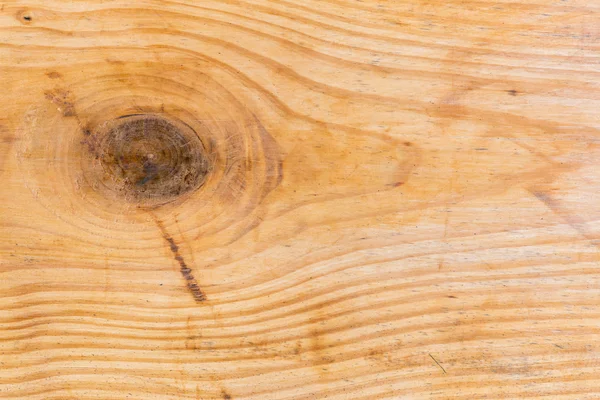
285,199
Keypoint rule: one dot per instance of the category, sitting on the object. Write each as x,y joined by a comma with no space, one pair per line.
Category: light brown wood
285,199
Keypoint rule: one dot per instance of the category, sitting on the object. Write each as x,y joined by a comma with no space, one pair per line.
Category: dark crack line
439,365
186,272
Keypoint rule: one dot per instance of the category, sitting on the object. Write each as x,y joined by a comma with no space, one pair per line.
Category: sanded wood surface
299,199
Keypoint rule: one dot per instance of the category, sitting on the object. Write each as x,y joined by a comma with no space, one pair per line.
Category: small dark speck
117,62
27,17
452,297
481,148
512,92
226,396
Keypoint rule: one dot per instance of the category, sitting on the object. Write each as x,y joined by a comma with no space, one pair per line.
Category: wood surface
299,199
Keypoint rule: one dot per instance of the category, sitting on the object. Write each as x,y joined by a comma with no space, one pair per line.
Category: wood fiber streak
284,199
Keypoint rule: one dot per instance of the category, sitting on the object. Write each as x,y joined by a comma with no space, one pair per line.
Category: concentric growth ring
101,153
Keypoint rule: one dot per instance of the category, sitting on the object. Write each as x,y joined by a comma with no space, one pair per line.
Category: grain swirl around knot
152,143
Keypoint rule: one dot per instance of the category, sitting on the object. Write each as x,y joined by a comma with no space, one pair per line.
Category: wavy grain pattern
282,199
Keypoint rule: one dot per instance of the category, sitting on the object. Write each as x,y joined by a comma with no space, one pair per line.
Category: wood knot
148,158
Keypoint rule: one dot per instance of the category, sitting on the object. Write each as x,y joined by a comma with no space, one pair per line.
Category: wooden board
285,199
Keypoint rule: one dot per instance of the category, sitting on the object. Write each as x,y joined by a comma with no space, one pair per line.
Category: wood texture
286,199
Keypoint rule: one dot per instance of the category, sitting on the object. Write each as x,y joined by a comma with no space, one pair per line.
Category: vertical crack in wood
186,272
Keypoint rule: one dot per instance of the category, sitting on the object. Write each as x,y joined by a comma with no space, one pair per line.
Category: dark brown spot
172,245
226,396
25,16
512,92
145,157
53,75
407,144
63,99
